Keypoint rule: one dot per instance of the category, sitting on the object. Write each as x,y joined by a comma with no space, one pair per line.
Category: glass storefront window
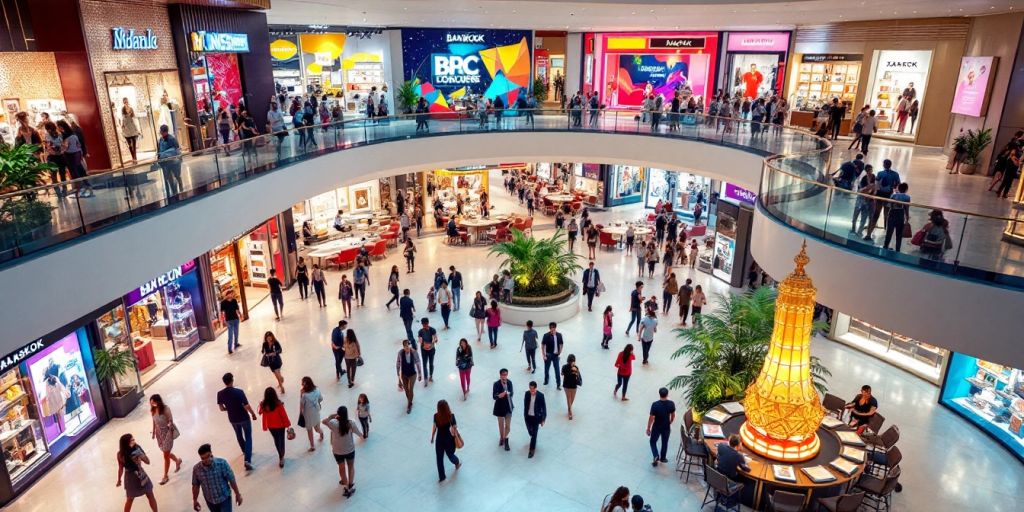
627,183
140,104
21,432
224,269
917,357
989,395
898,89
114,333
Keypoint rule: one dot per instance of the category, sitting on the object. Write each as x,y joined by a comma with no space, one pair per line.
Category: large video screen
638,76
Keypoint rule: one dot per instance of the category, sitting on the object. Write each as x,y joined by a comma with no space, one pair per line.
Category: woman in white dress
130,128
309,407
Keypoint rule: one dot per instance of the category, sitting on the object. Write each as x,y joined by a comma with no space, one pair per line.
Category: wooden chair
782,501
695,457
721,491
834,405
842,503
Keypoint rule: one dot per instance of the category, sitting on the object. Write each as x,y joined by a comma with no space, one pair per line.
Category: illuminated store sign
677,42
128,39
448,69
758,42
21,354
219,42
158,282
831,57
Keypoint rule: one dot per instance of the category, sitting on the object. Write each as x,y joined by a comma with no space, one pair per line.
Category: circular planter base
517,314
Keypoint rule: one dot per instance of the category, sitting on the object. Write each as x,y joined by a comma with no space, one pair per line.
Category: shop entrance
216,81
260,251
898,90
139,104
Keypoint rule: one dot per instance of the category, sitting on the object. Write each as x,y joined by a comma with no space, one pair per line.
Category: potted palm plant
539,266
114,367
540,90
23,217
726,349
406,96
974,143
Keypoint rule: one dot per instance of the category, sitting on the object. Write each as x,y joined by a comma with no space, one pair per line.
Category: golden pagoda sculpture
782,407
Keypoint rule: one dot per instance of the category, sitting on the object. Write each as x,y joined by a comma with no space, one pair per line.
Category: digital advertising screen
61,386
973,85
449,65
639,76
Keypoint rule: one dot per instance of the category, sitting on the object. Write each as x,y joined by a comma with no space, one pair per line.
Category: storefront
898,84
625,184
36,93
225,270
549,61
755,63
51,402
989,395
917,357
682,190
285,63
624,68
320,210
259,251
731,213
818,79
589,180
164,318
467,182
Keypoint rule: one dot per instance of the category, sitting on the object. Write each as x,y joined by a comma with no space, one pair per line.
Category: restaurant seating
782,501
607,240
834,405
502,235
550,208
345,258
883,441
698,231
390,238
379,250
463,237
883,463
878,491
695,458
687,429
842,503
721,491
527,225
874,425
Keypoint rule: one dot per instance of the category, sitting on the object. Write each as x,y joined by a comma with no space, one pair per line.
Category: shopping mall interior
772,252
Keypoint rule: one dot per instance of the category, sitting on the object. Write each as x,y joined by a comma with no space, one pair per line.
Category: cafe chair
883,441
379,250
882,463
607,240
527,226
878,491
841,503
782,501
694,460
687,429
874,426
463,236
834,405
721,491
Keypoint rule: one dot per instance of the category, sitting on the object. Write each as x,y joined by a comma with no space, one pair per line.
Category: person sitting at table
307,231
862,408
730,460
339,222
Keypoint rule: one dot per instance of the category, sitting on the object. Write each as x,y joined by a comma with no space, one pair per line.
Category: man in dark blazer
591,283
535,412
501,392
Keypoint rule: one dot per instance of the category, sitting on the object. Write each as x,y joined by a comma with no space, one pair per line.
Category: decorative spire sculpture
782,407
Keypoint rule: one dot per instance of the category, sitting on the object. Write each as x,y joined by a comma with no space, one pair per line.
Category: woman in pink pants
464,361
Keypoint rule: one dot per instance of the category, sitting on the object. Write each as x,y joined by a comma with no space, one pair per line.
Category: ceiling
607,15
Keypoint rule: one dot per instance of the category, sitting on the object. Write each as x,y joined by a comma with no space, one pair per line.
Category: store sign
227,42
831,57
740,194
902,65
677,42
16,357
448,69
973,86
758,42
128,39
160,281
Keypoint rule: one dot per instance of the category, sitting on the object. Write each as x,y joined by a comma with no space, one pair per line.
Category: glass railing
36,219
942,240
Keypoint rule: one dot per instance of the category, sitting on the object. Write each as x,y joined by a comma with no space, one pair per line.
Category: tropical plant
726,350
540,89
540,266
974,142
113,363
20,167
406,96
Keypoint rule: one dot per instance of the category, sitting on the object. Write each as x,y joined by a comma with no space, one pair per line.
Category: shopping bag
918,237
907,231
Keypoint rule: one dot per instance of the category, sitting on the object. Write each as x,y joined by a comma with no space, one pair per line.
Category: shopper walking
864,205
571,380
697,303
898,216
361,279
353,353
338,348
573,230
624,369
276,293
493,323
444,300
275,419
130,458
886,183
407,311
310,403
669,289
685,294
592,236
444,432
501,393
428,347
233,401
409,371
530,345
345,293
165,432
464,362
271,359
693,254
659,425
229,309
648,326
213,476
410,256
652,258
393,287
479,314
319,281
552,344
343,446
591,284
455,285
636,298
302,278
363,412
535,413
868,127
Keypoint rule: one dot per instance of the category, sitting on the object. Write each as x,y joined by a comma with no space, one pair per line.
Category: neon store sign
203,41
128,39
160,281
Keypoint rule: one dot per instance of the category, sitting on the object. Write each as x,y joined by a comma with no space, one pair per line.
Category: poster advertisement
972,86
449,66
62,388
639,76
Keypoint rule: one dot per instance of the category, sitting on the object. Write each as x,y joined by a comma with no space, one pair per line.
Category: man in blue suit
591,282
407,310
535,412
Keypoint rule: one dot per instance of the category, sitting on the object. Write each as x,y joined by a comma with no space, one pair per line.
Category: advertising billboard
449,65
638,76
973,85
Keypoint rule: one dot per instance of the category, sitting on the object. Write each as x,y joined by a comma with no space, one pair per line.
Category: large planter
968,168
518,314
122,406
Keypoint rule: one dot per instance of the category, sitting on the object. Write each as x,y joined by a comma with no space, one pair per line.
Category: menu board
818,474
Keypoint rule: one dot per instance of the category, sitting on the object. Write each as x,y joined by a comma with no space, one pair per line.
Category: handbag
302,420
918,237
359,361
907,231
265,360
459,443
290,433
175,433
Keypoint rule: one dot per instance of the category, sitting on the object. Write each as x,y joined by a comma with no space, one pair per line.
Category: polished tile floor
948,464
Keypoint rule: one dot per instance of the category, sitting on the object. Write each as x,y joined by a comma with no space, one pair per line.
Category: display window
115,335
217,81
260,251
162,316
725,241
989,395
284,60
225,271
821,77
898,85
633,66
755,63
36,93
682,190
917,357
626,184
468,183
140,103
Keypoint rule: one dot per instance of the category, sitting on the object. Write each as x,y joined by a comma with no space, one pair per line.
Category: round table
333,247
476,225
760,481
618,232
560,198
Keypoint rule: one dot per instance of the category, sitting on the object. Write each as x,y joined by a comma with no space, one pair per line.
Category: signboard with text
974,85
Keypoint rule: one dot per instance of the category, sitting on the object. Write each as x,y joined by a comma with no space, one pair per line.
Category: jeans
634,316
532,427
303,287
394,297
428,361
646,347
684,310
365,422
224,506
492,335
243,433
321,294
464,378
339,357
549,361
662,434
446,311
361,293
666,299
862,210
531,358
444,448
278,300
172,178
232,335
894,226
456,297
278,435
408,331
622,381
350,365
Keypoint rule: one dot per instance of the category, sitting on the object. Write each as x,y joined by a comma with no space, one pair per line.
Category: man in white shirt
648,326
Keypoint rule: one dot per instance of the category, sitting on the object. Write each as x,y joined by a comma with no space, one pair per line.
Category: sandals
165,480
